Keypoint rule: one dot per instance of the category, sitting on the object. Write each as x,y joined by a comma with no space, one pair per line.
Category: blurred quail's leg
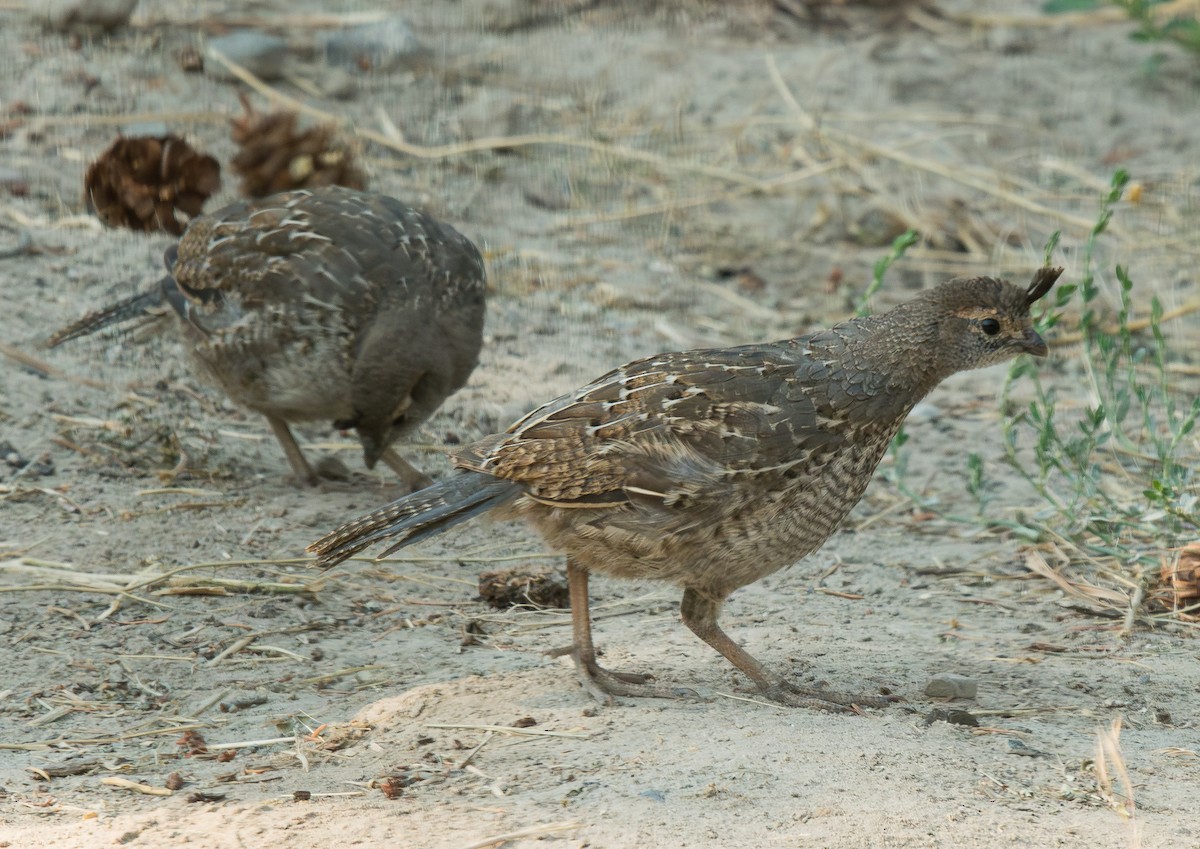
413,478
602,683
700,614
295,457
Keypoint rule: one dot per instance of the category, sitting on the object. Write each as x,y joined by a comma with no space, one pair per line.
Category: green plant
900,246
1184,31
1113,463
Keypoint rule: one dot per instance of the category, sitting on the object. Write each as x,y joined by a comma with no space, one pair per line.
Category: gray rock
69,15
383,46
261,54
949,685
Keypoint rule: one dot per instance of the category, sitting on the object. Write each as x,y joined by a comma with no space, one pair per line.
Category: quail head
711,469
331,304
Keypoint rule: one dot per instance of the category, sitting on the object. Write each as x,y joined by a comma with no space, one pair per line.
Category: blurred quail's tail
135,306
424,513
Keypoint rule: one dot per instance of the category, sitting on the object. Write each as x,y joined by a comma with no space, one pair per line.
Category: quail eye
990,326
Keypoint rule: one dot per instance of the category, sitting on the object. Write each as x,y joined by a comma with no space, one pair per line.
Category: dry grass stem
342,673
250,744
59,576
1112,776
1134,325
508,729
533,831
1100,598
989,186
137,787
484,144
79,743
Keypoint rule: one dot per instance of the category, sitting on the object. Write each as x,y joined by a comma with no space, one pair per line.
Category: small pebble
950,685
382,46
69,15
1017,747
261,54
953,717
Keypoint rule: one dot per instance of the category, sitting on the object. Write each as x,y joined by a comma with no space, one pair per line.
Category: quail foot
324,305
711,469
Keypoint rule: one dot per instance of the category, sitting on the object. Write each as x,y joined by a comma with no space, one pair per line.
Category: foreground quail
711,469
330,304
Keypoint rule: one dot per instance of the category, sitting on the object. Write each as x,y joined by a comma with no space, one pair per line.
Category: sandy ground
725,169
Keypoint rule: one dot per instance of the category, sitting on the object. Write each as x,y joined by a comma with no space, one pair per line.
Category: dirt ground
675,176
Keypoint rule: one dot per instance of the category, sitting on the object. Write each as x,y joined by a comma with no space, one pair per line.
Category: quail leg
602,683
699,613
412,477
295,457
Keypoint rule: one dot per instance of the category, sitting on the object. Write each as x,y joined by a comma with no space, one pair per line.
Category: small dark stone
954,717
1018,747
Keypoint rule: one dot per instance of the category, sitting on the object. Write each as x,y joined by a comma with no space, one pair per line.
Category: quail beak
1034,344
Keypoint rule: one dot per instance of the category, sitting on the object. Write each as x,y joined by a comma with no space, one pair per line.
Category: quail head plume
328,304
711,469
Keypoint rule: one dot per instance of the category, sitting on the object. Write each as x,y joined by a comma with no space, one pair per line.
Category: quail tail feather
135,306
424,513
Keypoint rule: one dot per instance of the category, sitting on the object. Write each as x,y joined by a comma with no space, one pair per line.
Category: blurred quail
711,469
330,304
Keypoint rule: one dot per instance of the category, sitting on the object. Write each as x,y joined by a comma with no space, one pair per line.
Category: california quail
711,469
330,304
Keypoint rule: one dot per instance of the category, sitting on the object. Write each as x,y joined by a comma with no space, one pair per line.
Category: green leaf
1058,7
1051,244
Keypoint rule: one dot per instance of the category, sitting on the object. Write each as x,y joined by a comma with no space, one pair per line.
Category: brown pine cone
144,183
276,156
712,469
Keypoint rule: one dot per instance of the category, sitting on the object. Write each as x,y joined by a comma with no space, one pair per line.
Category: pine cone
276,156
143,183
1180,586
